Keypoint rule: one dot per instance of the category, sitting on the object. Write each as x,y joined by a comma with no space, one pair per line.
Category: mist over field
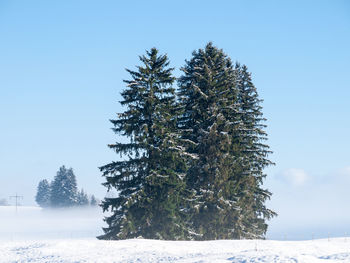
40,235
38,223
35,223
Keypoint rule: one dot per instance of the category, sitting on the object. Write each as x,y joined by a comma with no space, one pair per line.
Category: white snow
36,235
138,250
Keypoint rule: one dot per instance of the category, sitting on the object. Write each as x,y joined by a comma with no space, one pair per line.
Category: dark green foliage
43,194
191,170
250,137
222,130
64,188
207,92
149,179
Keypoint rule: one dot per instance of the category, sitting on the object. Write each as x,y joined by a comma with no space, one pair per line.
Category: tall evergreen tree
64,188
206,92
249,136
149,178
43,195
222,129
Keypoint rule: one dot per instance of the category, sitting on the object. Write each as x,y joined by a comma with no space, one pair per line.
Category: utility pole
16,197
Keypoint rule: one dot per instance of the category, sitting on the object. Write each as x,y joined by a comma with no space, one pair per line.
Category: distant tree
64,188
93,201
3,202
43,195
82,198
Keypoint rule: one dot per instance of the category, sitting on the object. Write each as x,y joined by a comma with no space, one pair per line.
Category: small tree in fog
82,198
62,192
93,201
43,195
64,188
3,202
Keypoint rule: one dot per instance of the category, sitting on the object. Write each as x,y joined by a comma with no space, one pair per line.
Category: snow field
68,235
139,250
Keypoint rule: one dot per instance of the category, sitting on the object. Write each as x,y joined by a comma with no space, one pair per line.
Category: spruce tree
93,201
64,188
222,129
206,91
149,177
249,137
82,198
43,194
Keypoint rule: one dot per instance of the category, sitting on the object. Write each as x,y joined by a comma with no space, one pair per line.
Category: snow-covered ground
138,250
68,235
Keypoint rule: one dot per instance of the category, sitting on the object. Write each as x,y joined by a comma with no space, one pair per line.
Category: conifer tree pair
62,191
193,167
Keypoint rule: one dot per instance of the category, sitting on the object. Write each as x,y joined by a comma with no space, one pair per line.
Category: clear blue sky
62,64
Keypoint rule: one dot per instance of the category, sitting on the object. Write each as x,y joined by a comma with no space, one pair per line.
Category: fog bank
38,223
